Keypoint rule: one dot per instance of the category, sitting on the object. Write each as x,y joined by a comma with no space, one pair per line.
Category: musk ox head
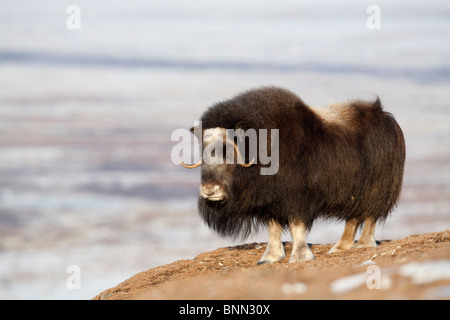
230,167
219,166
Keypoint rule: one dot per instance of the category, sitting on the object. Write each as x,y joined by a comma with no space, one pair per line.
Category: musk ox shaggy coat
345,163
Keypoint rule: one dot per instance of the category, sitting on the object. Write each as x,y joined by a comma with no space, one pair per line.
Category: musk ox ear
196,130
241,125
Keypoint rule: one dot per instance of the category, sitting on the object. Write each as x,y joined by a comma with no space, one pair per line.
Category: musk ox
345,162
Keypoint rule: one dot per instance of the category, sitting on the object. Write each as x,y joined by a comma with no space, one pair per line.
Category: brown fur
345,163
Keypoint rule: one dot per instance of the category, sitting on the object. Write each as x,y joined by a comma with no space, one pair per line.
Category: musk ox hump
336,113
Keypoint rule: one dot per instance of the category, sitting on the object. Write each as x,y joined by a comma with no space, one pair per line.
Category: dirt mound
416,267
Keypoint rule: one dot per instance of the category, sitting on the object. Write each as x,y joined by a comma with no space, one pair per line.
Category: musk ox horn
191,166
242,161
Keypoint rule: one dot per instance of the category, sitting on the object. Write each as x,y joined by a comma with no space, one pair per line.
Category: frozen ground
86,117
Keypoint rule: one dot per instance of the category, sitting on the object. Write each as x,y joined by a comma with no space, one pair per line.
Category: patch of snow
349,283
294,288
426,272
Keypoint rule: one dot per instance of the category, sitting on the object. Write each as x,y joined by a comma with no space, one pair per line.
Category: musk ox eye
223,154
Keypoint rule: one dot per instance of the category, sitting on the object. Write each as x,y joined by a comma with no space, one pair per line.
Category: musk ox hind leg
348,237
300,249
366,239
275,250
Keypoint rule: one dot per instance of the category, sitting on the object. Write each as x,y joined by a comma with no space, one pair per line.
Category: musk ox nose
211,192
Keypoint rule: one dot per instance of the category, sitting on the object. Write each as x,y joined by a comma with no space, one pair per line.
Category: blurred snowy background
86,117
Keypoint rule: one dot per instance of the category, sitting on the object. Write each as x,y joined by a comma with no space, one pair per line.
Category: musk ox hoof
304,256
262,262
272,255
366,244
270,259
340,247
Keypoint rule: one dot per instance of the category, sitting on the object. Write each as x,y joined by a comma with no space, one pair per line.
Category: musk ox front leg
275,250
300,249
